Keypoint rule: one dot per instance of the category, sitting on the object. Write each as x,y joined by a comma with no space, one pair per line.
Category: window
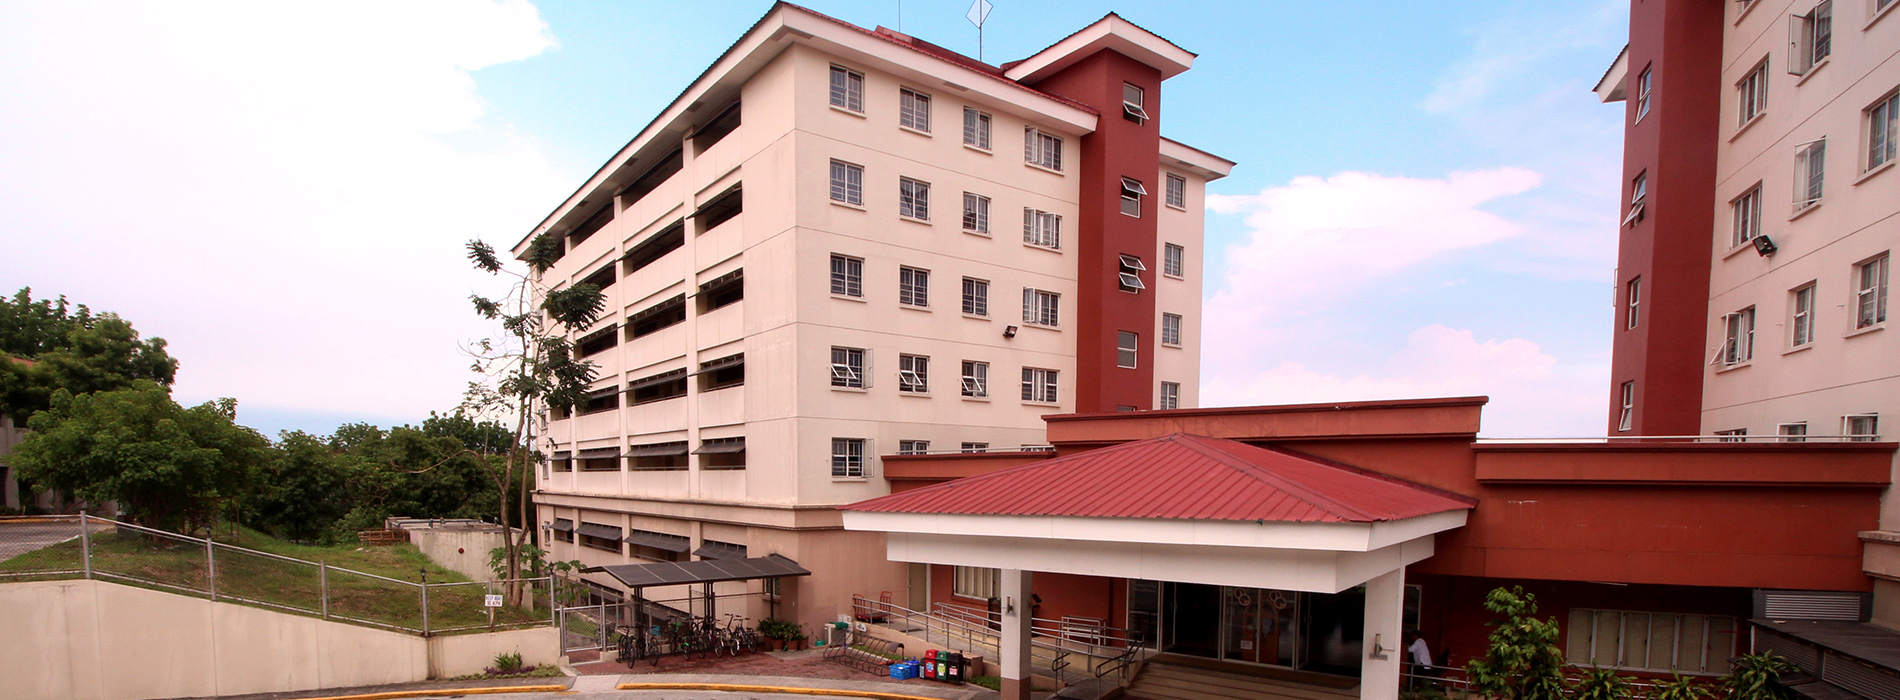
1132,192
657,317
1127,348
602,278
1861,428
1801,321
655,176
976,379
1629,407
721,453
976,129
1039,385
976,582
563,529
913,287
1751,94
913,447
913,374
1042,149
1811,38
976,213
608,461
1746,211
1041,228
1870,292
1739,343
1639,191
562,462
1634,313
847,89
1177,191
847,276
1172,260
722,373
913,198
976,297
1793,432
721,209
592,225
1644,641
847,183
658,387
1733,435
717,129
655,247
597,342
1131,104
913,110
1883,130
1643,84
1041,308
723,291
600,400
1810,169
1129,274
1171,330
1170,396
974,447
847,367
597,536
847,458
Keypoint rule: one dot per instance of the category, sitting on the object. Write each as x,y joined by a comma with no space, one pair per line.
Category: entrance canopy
708,571
1173,508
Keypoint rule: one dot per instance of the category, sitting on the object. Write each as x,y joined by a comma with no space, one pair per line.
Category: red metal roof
1180,476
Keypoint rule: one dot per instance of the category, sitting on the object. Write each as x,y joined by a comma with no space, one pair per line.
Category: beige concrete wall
468,654
462,551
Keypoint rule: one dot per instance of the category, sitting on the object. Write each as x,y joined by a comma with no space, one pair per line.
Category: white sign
979,12
491,601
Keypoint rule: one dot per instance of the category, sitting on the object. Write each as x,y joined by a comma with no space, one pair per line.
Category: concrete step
1165,681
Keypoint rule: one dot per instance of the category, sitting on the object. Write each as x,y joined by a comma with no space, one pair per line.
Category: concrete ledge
738,688
438,692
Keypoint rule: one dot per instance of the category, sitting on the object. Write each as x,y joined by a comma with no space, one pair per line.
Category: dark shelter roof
673,573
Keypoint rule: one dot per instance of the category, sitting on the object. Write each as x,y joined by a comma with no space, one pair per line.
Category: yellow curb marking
771,689
448,691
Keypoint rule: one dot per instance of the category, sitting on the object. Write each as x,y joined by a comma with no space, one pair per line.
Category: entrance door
1260,626
1194,616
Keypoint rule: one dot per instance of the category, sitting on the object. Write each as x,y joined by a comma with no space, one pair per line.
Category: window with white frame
1132,192
976,129
1644,641
1171,330
1863,427
847,276
976,297
975,447
847,183
1170,396
1042,149
847,458
913,374
1883,130
1732,435
913,198
1177,191
976,379
1173,260
1127,348
976,582
1811,37
1042,229
1041,308
1751,94
847,89
913,287
847,367
1810,170
913,447
1129,274
913,110
1738,345
1639,192
1628,402
1643,83
1793,432
1745,211
1633,312
1801,316
976,213
1870,292
1039,385
1132,109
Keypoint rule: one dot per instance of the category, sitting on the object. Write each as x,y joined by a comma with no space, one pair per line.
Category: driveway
20,536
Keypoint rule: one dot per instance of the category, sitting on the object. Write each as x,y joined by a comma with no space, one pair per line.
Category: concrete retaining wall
463,551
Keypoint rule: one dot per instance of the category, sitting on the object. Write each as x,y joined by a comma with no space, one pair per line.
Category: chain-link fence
82,546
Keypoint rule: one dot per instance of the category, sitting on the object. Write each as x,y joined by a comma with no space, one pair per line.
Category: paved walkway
19,536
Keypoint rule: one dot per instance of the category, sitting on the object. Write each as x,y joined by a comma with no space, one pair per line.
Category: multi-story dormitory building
838,244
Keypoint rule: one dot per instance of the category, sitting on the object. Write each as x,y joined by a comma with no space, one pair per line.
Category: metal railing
969,630
87,547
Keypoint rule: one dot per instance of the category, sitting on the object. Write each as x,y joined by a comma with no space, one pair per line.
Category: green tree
1523,661
302,491
76,351
169,467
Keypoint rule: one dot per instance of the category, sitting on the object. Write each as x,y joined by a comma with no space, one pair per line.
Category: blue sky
1425,201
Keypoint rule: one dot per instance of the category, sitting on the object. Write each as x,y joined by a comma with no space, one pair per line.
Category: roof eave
1110,32
1612,86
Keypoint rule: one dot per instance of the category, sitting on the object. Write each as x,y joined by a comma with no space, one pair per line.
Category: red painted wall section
1118,148
1063,595
1674,146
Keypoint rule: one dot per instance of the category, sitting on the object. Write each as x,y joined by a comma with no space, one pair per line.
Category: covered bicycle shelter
694,575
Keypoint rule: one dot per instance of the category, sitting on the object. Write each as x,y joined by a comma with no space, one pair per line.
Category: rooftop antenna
979,12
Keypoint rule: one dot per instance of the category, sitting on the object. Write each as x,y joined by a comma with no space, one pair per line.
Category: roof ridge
1292,488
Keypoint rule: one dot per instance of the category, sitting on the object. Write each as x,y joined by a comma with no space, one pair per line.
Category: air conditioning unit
1812,605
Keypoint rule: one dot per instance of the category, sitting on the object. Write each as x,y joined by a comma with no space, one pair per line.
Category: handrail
1047,650
1061,629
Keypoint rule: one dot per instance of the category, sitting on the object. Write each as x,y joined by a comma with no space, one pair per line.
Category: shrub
1522,661
1681,688
1603,684
774,628
1755,676
509,662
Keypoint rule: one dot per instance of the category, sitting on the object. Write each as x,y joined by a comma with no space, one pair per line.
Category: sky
1425,201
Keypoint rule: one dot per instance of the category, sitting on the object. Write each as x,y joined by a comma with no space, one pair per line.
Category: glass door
1258,626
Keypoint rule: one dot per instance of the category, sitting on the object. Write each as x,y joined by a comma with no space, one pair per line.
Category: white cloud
278,189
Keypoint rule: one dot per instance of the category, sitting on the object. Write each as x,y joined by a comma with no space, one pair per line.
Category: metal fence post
211,570
85,545
323,587
425,608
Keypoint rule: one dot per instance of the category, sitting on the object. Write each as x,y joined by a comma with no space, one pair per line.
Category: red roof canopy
1180,476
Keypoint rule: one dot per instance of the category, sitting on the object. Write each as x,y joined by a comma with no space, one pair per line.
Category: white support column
1384,649
1017,586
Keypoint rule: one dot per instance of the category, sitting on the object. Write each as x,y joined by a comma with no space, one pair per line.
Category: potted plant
798,637
777,633
1757,676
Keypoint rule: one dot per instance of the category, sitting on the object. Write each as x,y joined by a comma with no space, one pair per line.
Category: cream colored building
803,255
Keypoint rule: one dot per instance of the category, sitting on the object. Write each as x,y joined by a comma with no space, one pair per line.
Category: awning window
561,455
714,549
563,525
720,446
657,379
722,281
658,540
721,363
658,449
606,532
600,453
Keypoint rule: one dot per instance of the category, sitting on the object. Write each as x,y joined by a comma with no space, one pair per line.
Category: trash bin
930,664
904,670
953,671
